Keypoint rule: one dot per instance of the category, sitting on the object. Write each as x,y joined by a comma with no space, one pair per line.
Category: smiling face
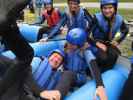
73,6
48,7
55,60
108,10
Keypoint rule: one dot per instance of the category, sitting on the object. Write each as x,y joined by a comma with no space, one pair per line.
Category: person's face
108,10
73,6
71,46
55,60
48,7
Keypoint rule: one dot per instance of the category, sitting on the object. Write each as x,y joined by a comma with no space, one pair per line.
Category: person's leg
4,64
128,88
42,31
66,82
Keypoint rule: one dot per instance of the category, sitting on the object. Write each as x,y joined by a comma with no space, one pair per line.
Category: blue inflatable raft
40,49
113,79
30,32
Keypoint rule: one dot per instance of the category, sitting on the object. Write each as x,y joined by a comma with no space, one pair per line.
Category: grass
61,1
126,13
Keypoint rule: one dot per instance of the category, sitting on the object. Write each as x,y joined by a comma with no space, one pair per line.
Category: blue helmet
46,2
59,51
106,2
77,36
78,1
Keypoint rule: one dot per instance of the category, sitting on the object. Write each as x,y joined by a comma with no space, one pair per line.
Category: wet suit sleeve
16,43
56,29
124,31
90,59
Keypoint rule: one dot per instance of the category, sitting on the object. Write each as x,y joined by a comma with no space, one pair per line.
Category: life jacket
76,63
101,30
45,76
52,19
76,21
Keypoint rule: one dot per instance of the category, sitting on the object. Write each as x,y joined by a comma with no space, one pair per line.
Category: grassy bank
126,13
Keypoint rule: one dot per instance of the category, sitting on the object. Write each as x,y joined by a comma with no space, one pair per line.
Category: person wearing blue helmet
108,31
50,14
43,81
49,72
79,59
74,17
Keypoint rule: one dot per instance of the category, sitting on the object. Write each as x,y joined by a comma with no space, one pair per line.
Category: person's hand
43,40
101,93
64,30
51,95
101,46
115,43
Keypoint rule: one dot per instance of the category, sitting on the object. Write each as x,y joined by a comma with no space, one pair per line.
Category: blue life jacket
77,62
45,76
76,21
101,30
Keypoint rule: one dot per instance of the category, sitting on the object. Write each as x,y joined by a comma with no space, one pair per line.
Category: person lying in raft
50,73
46,81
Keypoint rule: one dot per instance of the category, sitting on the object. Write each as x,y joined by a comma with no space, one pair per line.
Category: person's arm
89,19
32,85
62,88
66,82
15,42
92,25
56,29
91,61
24,54
124,31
